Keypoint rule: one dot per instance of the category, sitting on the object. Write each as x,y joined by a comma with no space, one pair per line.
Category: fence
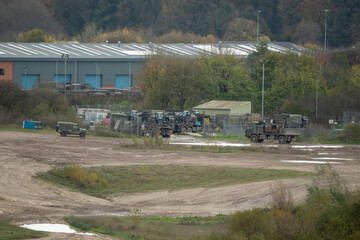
239,130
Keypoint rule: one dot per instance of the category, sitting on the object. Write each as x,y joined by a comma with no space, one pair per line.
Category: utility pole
325,29
257,26
65,56
262,88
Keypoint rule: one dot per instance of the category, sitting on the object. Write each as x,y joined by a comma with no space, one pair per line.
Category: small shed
224,107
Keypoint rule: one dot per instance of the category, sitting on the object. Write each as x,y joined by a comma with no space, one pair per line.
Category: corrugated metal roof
215,104
108,51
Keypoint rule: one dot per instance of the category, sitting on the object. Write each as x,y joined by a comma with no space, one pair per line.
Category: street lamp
129,75
317,95
25,71
325,29
65,56
96,75
262,88
257,26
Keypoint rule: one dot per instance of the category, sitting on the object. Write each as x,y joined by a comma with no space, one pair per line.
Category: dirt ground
27,200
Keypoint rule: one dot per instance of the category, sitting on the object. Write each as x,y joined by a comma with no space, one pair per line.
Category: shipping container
32,125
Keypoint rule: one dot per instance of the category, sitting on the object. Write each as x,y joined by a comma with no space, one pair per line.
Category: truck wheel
82,135
254,138
189,130
63,134
282,140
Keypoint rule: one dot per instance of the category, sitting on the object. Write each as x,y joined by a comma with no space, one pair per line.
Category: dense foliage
291,82
331,211
44,105
229,20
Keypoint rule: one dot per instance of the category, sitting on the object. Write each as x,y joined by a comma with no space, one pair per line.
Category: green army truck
258,132
65,128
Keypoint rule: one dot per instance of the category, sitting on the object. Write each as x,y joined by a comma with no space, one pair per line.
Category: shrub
281,196
351,133
81,177
252,223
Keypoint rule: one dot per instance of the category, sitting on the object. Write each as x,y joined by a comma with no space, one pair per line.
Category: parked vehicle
260,131
291,120
65,128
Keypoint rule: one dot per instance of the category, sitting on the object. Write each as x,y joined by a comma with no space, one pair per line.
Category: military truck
291,120
258,132
65,128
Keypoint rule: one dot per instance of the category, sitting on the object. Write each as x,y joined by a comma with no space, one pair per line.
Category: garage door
60,78
29,81
122,81
94,80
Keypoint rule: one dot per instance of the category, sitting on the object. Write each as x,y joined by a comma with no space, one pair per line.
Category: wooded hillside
301,21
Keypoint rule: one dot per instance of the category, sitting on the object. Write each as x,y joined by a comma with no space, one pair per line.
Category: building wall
212,112
7,68
77,70
241,109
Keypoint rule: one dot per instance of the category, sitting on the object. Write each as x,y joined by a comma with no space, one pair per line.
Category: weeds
78,176
281,196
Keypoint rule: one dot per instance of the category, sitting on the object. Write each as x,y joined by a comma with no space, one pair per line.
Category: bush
351,133
281,197
80,176
252,223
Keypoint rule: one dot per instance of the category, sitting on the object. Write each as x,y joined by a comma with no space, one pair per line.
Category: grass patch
9,231
14,128
150,178
153,228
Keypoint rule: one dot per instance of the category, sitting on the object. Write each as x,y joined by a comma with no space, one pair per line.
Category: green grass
150,178
8,232
153,228
14,128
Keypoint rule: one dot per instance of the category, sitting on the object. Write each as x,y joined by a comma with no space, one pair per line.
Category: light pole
325,29
96,76
317,95
25,71
129,75
65,56
262,88
257,26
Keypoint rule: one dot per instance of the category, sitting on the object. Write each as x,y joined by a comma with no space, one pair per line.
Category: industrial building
104,65
215,107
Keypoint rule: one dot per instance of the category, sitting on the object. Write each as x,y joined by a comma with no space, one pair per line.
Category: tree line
147,20
291,81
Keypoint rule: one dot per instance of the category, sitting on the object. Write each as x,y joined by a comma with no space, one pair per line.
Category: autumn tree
35,36
171,82
229,78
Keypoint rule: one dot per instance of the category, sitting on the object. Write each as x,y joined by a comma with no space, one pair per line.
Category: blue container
32,125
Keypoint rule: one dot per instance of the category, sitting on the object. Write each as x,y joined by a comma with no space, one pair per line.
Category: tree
307,32
73,14
229,79
171,82
34,36
241,29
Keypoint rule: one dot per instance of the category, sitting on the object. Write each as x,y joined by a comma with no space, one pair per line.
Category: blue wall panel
28,81
94,80
60,78
122,81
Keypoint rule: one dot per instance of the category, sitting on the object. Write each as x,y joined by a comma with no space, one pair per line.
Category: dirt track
28,200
